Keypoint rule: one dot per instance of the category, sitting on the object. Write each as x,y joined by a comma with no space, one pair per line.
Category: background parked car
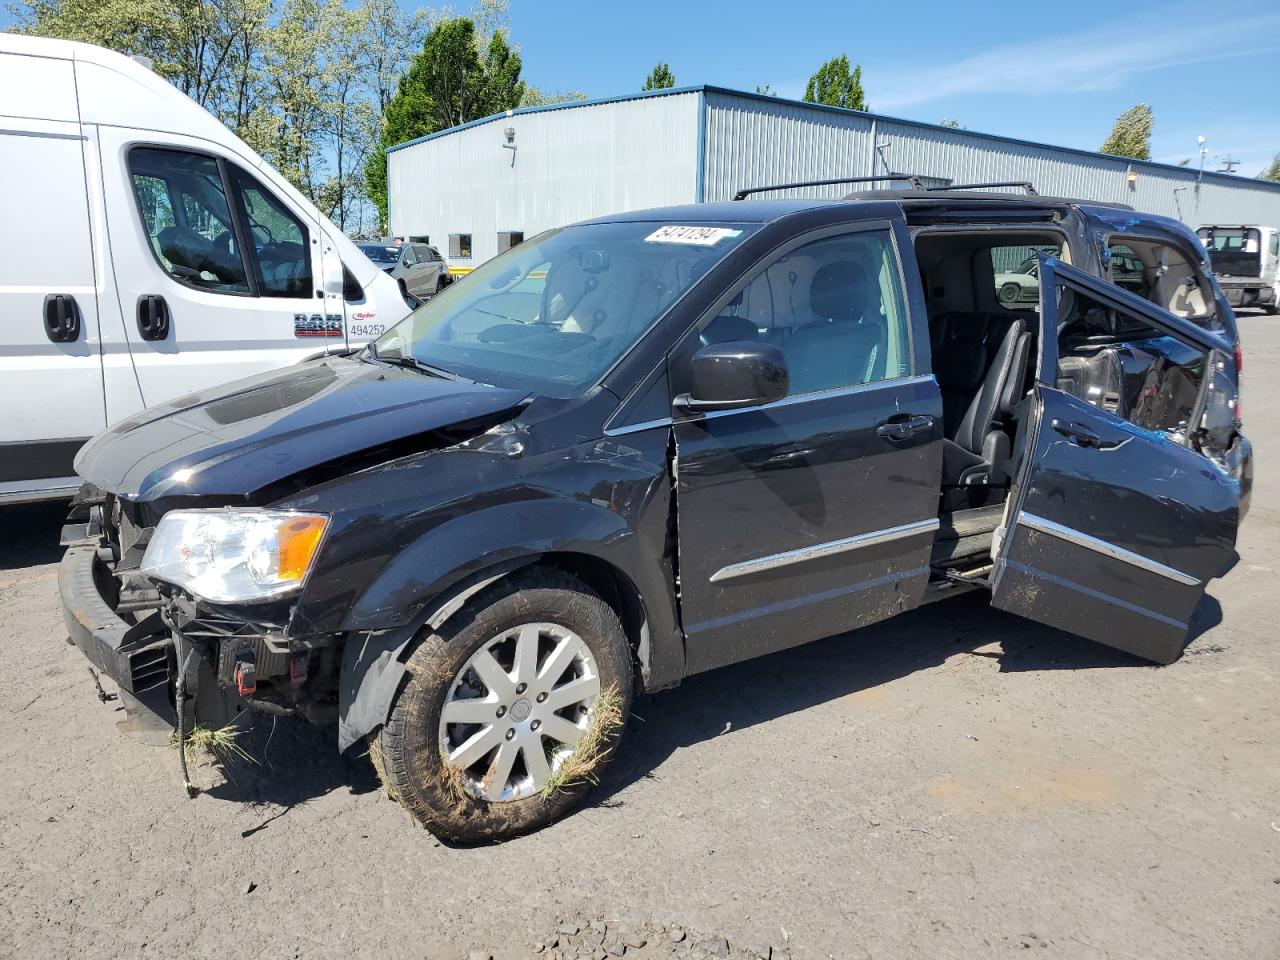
417,267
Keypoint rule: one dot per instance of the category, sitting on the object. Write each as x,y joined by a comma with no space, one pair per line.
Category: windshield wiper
413,363
500,316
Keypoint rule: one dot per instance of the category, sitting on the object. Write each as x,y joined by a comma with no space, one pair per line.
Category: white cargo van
145,252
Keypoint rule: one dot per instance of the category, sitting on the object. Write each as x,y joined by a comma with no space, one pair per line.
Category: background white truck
145,252
1246,260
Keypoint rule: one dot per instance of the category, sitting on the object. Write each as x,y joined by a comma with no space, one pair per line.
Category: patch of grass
222,744
590,751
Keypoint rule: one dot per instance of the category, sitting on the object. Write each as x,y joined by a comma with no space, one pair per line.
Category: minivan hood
240,437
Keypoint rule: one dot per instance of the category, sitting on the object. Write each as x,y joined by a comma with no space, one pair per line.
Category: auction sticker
694,236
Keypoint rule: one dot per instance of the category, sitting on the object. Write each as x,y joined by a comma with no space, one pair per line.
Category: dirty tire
440,285
415,773
1009,293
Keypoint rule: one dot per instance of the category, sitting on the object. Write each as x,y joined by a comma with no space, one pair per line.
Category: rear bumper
1247,293
138,657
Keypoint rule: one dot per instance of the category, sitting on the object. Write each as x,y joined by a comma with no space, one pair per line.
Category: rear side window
183,204
281,253
423,253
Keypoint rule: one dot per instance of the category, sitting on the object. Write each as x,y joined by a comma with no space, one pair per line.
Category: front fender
431,578
461,547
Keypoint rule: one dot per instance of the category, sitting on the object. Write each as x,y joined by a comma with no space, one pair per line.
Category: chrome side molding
819,550
1106,549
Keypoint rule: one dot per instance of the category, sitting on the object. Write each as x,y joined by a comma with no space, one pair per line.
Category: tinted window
557,311
834,307
187,218
1126,270
407,257
282,257
380,253
422,253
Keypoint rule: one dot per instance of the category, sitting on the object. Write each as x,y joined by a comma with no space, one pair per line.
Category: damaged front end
178,660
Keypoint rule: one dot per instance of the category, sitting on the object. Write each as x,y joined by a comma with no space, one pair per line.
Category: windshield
380,253
554,313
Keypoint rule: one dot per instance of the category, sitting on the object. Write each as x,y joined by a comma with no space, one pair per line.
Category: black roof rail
911,178
1024,184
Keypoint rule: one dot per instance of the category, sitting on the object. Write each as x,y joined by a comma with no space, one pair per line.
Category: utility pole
1200,176
1228,165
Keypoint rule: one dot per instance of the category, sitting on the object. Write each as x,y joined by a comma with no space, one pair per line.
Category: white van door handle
153,317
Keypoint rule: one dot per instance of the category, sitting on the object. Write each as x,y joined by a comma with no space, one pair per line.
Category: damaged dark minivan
649,445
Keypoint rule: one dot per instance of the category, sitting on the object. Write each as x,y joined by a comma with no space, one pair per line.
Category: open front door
1118,522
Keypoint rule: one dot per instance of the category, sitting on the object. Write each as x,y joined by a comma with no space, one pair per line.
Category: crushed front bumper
140,657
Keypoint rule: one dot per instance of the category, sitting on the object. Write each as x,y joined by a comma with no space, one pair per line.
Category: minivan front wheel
511,711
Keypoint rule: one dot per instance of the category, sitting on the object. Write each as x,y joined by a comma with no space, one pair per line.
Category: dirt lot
954,783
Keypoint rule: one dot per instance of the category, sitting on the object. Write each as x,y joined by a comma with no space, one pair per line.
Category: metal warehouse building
476,189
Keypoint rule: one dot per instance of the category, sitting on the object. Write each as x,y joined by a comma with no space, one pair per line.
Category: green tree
1131,135
1272,172
837,86
448,83
533,97
767,90
660,78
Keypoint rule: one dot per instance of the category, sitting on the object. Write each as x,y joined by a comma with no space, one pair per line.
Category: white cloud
1091,60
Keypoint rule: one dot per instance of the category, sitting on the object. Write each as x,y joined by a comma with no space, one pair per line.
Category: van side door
218,277
1120,512
816,513
50,280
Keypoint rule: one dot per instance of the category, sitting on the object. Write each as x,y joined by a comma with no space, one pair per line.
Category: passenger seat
977,452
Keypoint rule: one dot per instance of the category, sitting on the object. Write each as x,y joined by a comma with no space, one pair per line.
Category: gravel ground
953,783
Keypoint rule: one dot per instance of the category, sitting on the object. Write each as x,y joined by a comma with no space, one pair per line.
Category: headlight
234,556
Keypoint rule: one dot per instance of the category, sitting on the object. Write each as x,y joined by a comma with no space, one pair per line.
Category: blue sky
1058,73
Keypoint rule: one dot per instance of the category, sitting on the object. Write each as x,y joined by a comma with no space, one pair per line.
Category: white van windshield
554,313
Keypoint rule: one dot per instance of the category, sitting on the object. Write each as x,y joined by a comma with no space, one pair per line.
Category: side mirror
738,373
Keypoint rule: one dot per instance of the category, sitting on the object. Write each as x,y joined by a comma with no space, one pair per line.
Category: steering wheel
255,227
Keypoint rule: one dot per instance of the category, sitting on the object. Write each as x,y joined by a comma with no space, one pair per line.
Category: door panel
50,378
811,515
1117,527
798,520
218,331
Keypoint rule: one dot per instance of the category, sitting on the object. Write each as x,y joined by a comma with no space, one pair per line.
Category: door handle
61,318
153,317
1077,432
903,427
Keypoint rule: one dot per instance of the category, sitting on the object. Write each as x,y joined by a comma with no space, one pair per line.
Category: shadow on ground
29,534
299,762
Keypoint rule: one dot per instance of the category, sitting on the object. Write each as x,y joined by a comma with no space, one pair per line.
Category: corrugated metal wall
602,157
752,141
569,164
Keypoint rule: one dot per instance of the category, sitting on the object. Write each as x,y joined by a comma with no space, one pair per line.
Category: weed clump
589,753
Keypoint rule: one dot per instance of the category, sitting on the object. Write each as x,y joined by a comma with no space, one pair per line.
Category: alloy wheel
516,710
